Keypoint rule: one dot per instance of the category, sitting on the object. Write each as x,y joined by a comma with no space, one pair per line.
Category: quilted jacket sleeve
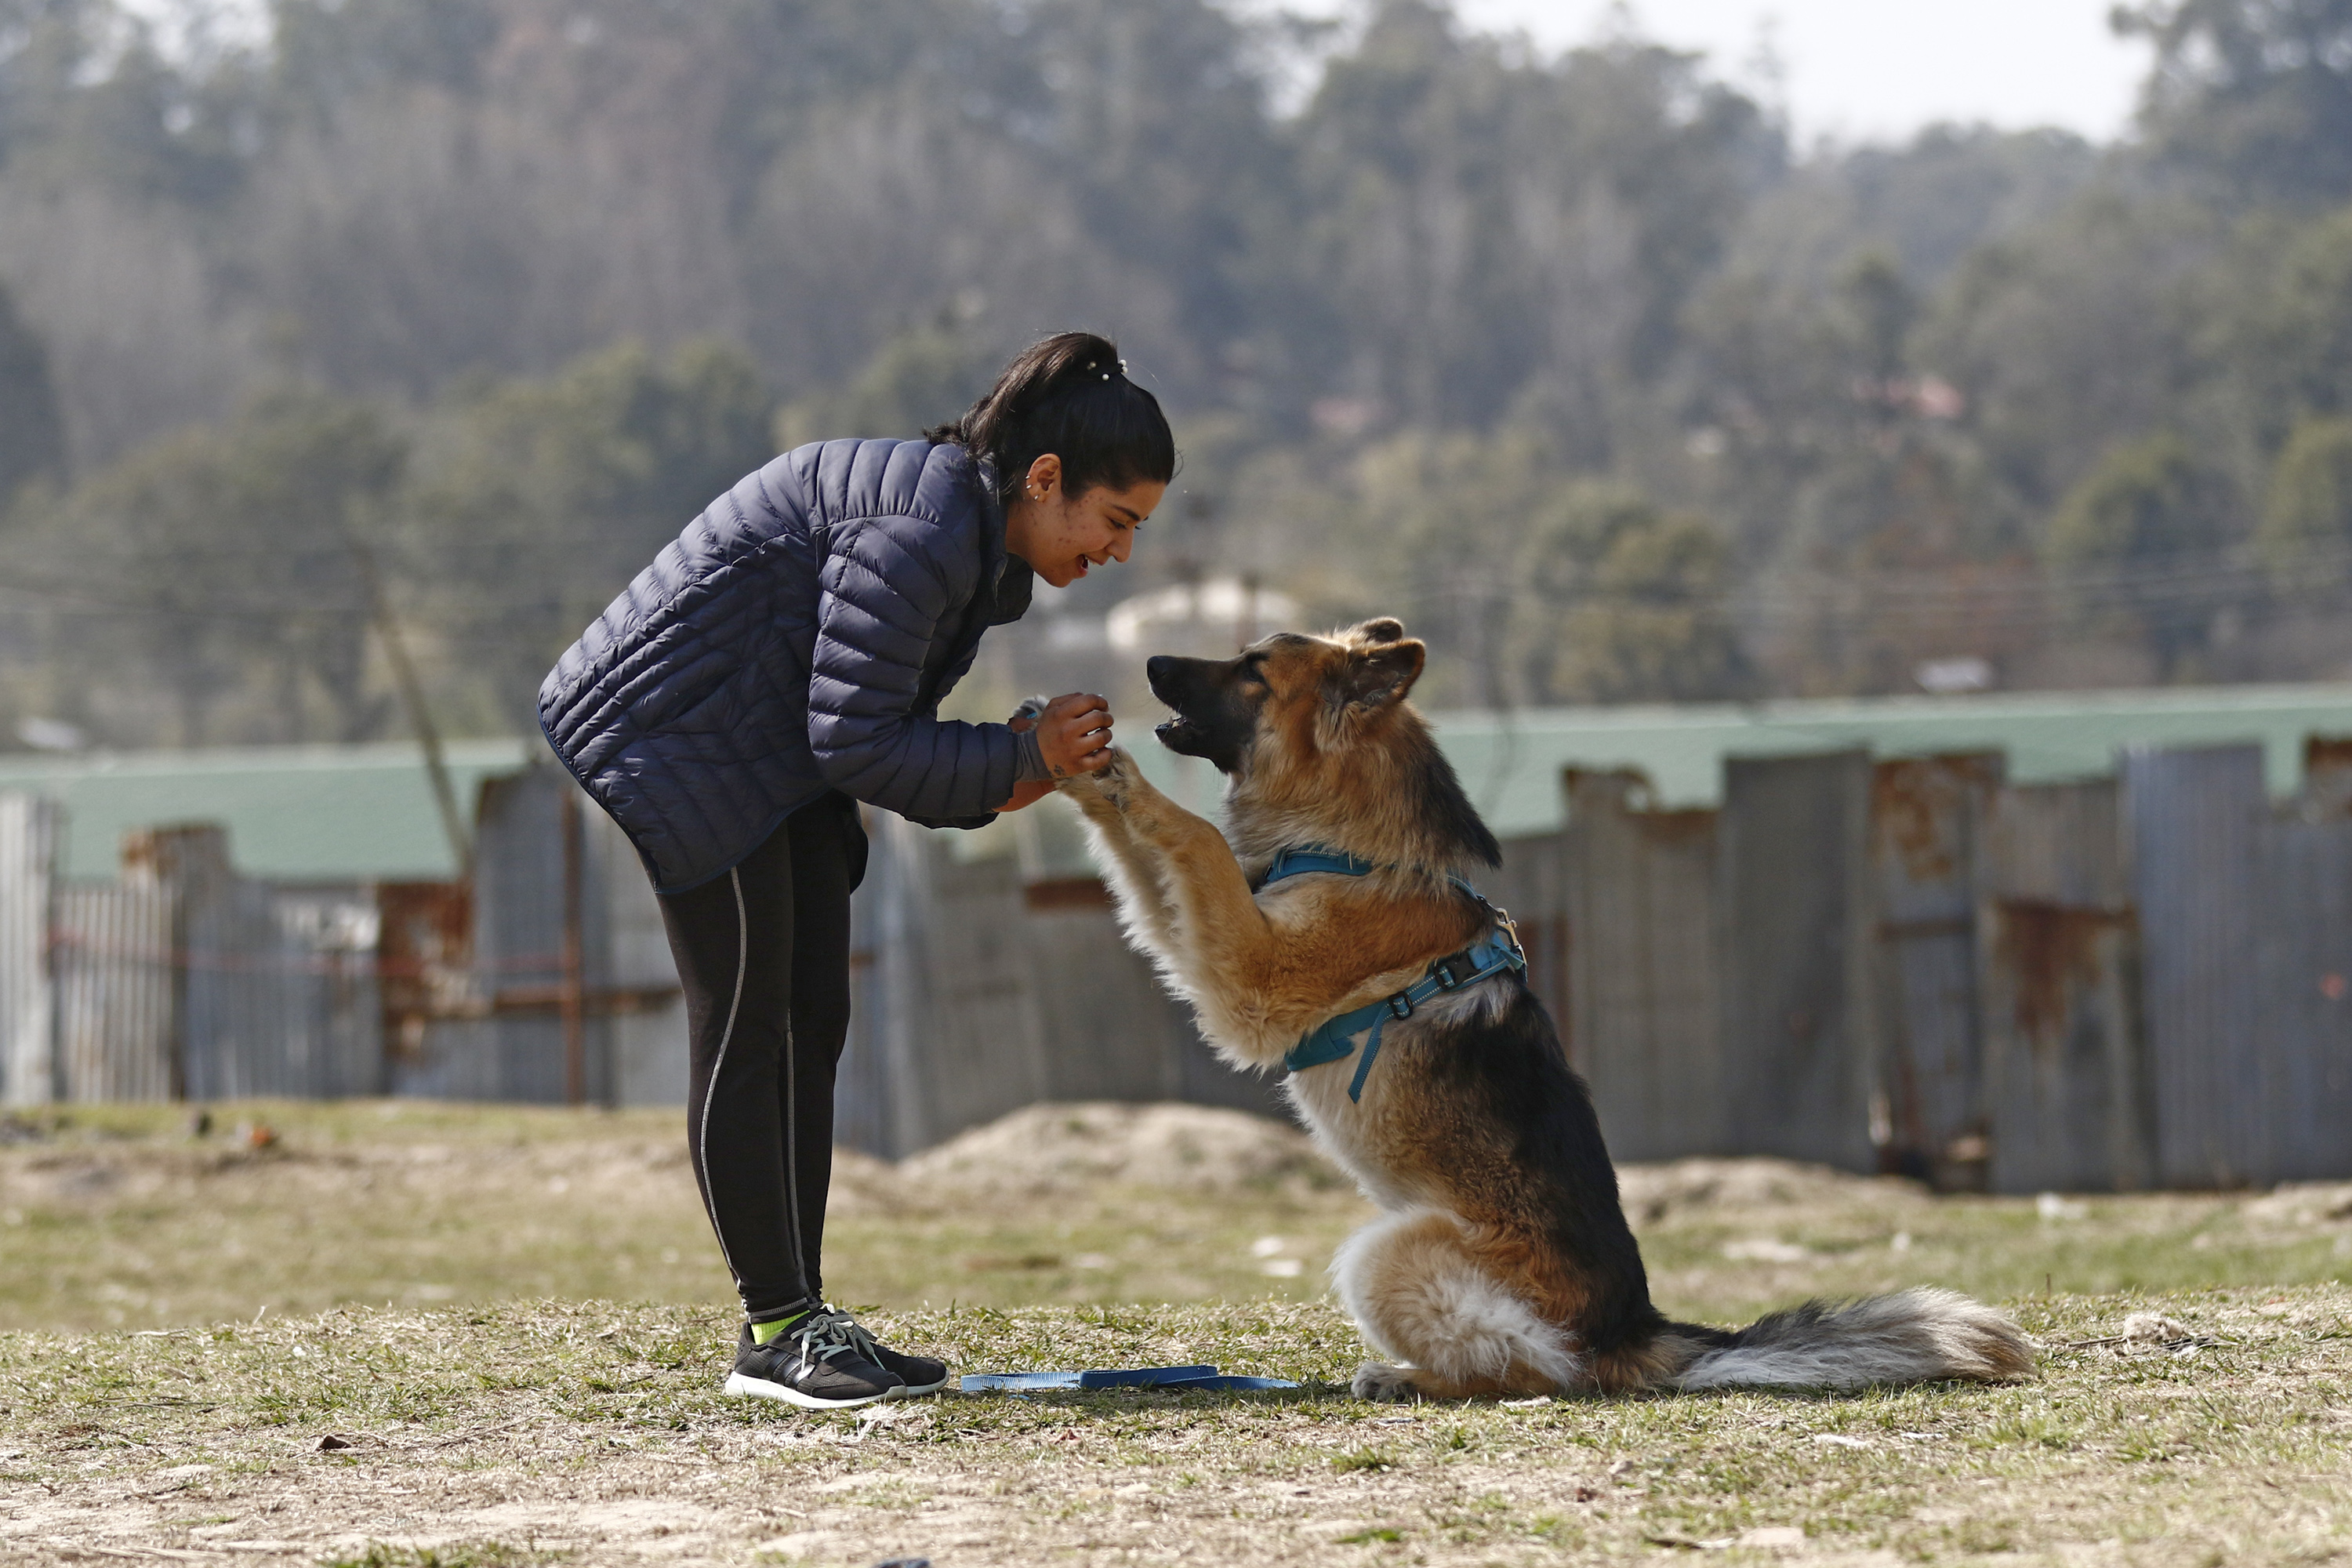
889,588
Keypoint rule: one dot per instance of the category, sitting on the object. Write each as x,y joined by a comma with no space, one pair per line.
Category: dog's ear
1377,676
1381,629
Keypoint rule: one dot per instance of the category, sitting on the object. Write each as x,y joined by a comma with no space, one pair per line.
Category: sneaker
917,1375
812,1364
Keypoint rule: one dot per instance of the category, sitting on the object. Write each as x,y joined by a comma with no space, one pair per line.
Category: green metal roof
1511,762
294,814
346,813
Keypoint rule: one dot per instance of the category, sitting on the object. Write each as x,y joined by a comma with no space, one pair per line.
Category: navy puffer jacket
797,638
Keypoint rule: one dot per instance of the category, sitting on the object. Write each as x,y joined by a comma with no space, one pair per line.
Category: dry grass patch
116,1217
590,1433
2196,1409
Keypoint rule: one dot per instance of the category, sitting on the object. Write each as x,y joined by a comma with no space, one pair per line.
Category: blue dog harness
1334,1040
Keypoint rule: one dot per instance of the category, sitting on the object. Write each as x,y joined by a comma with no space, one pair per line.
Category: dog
1501,1262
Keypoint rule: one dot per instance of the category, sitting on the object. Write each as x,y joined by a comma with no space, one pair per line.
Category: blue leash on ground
1206,1378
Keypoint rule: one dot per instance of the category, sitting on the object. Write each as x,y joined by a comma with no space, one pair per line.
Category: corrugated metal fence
1915,966
549,980
1912,965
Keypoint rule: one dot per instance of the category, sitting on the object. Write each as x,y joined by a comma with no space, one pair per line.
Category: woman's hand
1073,736
1073,733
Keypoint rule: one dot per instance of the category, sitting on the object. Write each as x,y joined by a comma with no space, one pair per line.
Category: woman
779,662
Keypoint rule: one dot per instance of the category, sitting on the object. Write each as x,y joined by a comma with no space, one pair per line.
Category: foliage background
1576,362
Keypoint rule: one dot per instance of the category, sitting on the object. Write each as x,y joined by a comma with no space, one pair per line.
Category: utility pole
412,699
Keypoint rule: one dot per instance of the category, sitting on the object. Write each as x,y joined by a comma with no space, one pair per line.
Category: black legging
763,955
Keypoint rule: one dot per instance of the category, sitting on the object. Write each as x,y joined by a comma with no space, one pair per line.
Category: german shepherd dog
1501,1261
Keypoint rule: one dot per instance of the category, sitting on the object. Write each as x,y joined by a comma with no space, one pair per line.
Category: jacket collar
1010,579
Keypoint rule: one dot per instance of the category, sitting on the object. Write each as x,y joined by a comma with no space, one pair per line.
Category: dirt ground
2195,1406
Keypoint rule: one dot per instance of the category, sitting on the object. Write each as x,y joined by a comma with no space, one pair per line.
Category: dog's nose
1160,670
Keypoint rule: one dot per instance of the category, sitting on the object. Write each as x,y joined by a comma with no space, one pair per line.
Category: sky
1876,70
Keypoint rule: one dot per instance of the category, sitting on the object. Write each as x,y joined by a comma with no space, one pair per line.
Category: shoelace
839,1325
827,1334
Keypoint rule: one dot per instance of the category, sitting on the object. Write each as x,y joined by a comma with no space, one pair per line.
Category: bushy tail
1916,1336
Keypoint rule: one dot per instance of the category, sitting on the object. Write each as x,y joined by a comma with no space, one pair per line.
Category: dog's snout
1162,670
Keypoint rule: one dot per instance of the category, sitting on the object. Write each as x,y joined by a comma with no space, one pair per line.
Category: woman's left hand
1073,733
1077,721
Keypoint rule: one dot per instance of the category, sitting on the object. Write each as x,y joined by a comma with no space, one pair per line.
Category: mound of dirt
1047,1149
1685,1188
2303,1202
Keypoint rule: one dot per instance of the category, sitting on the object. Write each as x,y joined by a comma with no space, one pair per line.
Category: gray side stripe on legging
792,1151
702,1132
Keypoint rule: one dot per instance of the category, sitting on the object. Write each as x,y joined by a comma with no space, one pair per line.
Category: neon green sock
763,1332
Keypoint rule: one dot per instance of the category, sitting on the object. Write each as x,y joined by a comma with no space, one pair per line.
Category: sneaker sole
760,1388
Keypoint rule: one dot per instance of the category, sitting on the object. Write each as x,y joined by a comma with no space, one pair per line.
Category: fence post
1645,969
1800,1033
2191,816
1925,822
2065,1082
30,830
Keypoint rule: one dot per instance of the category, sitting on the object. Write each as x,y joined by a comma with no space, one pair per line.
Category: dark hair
1067,395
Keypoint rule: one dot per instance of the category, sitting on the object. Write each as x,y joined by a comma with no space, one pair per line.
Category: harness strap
1333,1039
1302,857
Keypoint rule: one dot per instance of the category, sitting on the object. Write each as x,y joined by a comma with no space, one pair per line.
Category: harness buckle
1443,972
1510,928
1401,1006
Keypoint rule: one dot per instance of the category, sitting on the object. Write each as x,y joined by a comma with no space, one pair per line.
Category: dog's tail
1916,1336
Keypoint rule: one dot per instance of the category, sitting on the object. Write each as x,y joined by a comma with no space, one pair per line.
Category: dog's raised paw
1111,780
1376,1380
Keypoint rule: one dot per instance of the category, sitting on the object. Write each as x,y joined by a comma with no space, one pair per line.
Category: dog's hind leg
1421,1290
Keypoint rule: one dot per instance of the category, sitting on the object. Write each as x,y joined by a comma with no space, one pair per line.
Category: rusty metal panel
1800,1054
2191,818
1644,1016
30,831
1926,818
113,956
2326,777
2057,953
425,951
2304,940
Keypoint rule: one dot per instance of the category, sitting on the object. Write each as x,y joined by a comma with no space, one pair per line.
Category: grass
119,1218
505,1427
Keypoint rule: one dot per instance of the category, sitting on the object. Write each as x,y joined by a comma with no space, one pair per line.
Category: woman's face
1061,536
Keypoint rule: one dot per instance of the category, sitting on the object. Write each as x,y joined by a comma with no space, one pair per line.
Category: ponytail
1067,395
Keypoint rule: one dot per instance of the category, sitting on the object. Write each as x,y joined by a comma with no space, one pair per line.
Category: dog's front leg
1221,949
1128,867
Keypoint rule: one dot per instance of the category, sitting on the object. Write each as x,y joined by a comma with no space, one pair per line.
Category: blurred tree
1623,602
534,502
2306,524
1501,238
2252,96
924,376
1441,523
328,53
2071,336
2288,317
32,431
2130,532
215,565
